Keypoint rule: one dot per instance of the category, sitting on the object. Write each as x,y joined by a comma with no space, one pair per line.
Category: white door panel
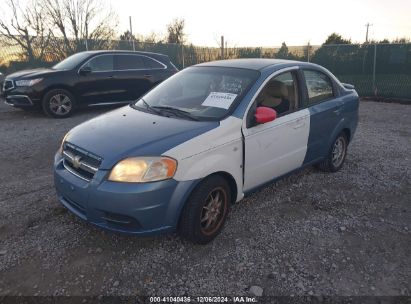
275,148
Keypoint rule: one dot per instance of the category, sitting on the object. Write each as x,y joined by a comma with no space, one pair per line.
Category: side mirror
264,114
85,70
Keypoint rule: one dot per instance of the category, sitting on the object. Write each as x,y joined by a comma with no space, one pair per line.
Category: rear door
133,77
277,147
158,70
325,112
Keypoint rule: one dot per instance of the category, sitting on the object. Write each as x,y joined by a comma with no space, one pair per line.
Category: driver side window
101,63
280,94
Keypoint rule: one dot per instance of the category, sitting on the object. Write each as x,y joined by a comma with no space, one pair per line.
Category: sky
268,23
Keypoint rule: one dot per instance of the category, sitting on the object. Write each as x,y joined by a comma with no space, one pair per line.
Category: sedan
182,154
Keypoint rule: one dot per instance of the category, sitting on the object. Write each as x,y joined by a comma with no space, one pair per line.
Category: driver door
277,147
98,86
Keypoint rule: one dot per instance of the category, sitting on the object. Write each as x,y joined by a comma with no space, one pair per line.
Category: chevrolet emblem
76,161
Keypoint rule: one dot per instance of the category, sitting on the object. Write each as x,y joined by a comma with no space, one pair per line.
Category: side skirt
253,190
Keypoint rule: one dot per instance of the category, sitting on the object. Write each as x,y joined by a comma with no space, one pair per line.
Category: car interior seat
276,96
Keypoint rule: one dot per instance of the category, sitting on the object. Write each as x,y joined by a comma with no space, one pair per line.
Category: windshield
71,62
204,93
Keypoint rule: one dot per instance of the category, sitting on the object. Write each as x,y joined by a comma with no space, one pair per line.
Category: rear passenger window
280,94
319,86
153,64
129,62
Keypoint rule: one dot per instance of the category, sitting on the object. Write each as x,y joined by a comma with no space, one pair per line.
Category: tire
336,154
58,103
196,222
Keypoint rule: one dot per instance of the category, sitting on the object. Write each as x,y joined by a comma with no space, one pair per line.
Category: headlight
28,82
143,169
62,143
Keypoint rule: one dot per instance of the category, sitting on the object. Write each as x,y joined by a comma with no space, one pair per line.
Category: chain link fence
382,70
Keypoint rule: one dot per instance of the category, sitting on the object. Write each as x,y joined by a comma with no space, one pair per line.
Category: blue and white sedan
177,158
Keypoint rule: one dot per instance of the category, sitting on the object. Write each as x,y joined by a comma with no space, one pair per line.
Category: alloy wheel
60,104
213,212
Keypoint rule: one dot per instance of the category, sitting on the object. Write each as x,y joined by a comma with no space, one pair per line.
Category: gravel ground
343,234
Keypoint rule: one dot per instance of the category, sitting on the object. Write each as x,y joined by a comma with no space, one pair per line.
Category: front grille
80,162
8,85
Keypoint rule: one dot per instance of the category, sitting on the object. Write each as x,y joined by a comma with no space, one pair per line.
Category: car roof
251,63
124,52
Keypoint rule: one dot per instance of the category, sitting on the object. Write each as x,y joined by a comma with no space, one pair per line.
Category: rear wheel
336,155
58,103
206,210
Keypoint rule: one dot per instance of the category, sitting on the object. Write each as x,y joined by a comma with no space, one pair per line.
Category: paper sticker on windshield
219,100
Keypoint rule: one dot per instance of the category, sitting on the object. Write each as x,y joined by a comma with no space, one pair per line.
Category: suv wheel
58,103
206,210
336,155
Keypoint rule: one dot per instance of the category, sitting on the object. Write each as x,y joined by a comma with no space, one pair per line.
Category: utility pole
222,47
131,34
366,35
182,54
225,50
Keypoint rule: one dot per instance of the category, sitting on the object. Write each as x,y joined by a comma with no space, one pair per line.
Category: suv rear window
128,62
152,64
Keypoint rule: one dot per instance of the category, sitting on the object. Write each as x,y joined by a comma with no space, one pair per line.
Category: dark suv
86,79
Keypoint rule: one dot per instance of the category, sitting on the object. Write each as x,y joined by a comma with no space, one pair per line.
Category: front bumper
19,101
22,97
141,209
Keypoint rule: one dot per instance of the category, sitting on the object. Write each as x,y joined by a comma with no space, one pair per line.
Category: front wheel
206,210
58,103
336,155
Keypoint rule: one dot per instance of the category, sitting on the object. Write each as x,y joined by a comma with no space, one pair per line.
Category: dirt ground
312,233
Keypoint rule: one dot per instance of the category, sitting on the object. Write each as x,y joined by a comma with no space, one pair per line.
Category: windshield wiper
148,107
176,111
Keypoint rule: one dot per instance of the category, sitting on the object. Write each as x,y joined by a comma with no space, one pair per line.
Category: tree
127,35
284,53
26,28
335,38
152,38
401,40
384,41
175,31
81,24
248,52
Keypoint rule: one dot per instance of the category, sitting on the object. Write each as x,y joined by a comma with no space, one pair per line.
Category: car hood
128,132
31,73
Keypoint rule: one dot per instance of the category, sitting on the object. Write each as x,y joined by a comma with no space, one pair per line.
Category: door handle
338,111
111,76
148,75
